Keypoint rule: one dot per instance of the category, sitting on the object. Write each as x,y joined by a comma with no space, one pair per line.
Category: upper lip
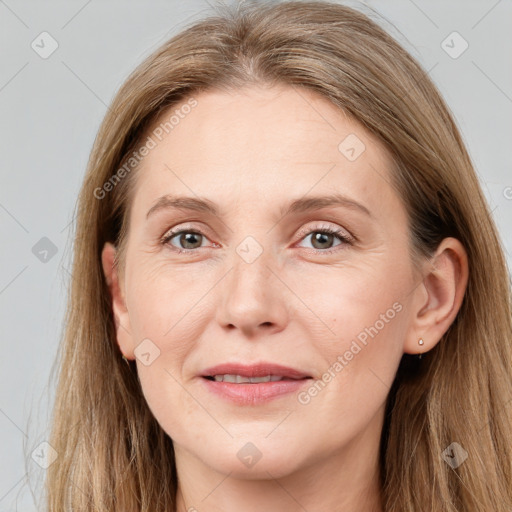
260,369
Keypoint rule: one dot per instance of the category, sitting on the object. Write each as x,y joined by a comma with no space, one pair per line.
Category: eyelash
342,236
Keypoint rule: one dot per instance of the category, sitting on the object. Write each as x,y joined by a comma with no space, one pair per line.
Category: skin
251,152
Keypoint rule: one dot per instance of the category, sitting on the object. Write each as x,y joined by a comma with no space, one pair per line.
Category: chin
253,458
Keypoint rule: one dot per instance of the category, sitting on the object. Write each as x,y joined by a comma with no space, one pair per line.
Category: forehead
256,144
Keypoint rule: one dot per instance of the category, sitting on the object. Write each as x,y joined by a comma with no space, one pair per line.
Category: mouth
242,379
253,384
241,373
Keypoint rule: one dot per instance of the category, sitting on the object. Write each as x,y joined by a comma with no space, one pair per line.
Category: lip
258,393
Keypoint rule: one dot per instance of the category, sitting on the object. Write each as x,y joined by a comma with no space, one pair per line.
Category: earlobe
119,309
439,297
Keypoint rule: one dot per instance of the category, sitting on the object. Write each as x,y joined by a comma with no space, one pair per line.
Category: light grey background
51,109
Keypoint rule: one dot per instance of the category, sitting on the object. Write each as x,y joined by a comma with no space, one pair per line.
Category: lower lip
253,394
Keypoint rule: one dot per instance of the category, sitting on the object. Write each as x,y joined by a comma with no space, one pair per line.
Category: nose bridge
250,294
252,255
251,268
248,283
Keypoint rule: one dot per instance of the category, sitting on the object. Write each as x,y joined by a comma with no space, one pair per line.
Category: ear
438,298
121,317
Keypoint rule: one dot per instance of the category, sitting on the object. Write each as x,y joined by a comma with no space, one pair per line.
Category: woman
288,292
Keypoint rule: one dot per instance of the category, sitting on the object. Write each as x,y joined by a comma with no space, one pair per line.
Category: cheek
174,408
167,318
165,303
357,300
358,327
360,364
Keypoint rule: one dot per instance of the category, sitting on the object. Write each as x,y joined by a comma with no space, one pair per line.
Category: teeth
260,379
239,379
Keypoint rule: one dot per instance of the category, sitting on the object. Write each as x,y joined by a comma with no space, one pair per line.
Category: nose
253,299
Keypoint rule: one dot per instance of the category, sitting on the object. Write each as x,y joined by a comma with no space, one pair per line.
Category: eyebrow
183,203
317,202
300,205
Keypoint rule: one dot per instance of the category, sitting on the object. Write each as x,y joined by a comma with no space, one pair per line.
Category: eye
322,238
187,240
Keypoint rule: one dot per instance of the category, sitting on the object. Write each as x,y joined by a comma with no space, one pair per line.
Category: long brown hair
112,453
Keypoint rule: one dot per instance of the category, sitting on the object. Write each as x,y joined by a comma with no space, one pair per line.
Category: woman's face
249,277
